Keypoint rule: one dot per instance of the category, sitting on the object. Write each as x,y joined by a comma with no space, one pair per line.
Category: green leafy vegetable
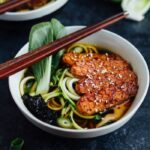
17,144
28,86
59,31
135,8
42,34
98,117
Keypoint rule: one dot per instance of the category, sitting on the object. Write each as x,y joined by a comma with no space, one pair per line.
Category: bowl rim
46,6
113,125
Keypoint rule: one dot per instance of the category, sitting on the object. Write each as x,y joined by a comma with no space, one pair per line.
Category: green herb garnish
42,34
16,144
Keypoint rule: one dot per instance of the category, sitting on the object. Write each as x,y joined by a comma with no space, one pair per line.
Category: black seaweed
37,106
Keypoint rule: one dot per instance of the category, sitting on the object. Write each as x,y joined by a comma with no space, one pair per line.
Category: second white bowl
33,14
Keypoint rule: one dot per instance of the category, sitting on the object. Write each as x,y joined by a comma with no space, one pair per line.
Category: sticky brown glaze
33,4
37,3
106,80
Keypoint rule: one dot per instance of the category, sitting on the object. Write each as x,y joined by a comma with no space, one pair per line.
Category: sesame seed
120,76
103,71
112,83
108,79
96,110
123,86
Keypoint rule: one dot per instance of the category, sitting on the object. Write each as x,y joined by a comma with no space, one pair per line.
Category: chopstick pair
10,67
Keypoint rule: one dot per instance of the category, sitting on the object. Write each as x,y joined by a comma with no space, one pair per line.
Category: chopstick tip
126,13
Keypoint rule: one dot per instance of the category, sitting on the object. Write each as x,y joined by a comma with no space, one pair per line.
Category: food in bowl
81,87
28,13
34,4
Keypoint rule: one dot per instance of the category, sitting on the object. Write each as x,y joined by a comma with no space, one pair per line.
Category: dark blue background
135,135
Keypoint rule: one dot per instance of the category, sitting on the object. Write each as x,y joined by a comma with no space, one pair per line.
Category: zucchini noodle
69,83
82,116
70,94
53,105
62,87
54,102
50,95
65,111
75,125
33,88
80,47
23,83
69,74
33,94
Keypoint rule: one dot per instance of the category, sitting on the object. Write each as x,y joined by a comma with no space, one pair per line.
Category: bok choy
136,8
42,34
59,31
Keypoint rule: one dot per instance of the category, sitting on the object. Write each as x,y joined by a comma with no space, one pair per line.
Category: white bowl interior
107,40
33,14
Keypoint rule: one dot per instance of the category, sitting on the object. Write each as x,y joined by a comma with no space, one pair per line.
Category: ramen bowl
107,40
33,14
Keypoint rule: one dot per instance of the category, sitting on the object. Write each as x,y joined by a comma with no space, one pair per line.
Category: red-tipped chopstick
10,5
10,67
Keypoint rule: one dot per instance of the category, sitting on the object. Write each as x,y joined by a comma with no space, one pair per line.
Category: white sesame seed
103,71
108,79
120,76
122,87
96,110
112,83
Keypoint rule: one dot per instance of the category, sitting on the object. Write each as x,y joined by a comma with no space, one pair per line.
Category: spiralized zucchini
80,48
23,83
70,92
82,116
75,125
50,95
53,105
66,111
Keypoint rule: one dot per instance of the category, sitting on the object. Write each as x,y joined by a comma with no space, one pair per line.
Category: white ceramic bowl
33,14
116,44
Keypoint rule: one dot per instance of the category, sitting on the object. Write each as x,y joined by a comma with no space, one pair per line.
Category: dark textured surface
135,135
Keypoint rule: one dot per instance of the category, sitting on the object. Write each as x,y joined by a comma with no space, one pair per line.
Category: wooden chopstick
10,67
10,5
